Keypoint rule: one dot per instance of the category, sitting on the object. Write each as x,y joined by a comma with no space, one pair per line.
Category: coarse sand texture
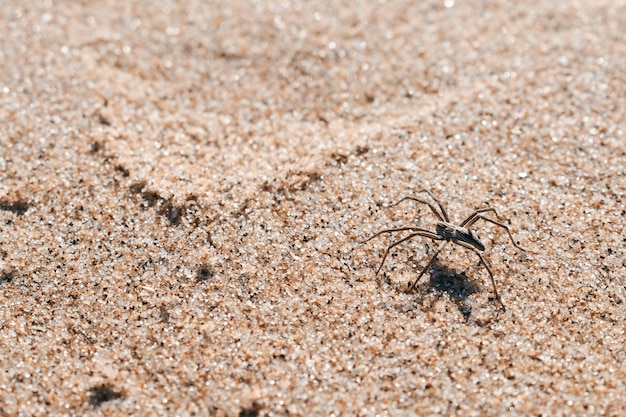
186,188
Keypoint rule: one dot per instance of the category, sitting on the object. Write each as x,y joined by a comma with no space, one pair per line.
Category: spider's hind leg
418,232
439,203
399,229
412,235
419,200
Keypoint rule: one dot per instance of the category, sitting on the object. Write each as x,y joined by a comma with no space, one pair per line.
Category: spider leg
400,229
474,217
419,200
427,267
487,267
471,219
424,233
439,203
443,216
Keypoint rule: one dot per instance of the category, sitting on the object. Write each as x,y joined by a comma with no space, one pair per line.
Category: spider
447,232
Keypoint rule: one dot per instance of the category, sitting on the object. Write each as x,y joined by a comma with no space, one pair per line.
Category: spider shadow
445,280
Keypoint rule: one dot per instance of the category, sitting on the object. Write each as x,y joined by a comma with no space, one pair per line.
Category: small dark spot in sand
124,171
151,197
339,158
204,273
361,150
252,411
96,147
172,212
137,187
104,120
164,314
18,207
6,277
102,393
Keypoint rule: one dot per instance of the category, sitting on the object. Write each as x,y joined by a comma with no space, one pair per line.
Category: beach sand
184,188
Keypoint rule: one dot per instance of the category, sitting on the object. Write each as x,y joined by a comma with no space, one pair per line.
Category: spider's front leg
477,215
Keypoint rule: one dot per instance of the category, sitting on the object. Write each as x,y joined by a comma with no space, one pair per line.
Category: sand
184,188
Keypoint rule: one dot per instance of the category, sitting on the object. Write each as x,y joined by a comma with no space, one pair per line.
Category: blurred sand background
183,186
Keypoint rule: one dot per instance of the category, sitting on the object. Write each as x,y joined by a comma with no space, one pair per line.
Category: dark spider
448,232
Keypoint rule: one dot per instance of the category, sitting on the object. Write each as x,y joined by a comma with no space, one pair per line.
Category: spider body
446,232
456,234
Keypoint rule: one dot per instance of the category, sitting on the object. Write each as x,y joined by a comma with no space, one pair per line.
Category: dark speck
252,411
204,273
361,150
96,147
6,277
102,393
164,314
17,207
124,171
137,187
151,197
172,212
